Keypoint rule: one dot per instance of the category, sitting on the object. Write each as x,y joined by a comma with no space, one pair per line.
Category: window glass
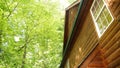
101,15
101,3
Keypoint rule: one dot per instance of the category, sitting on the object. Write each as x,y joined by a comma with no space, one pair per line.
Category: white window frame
95,20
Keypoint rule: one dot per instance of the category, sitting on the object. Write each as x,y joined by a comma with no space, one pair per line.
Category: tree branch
25,52
7,5
12,10
24,57
21,47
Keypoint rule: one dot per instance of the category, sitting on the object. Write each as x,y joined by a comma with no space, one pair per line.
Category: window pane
101,3
104,24
101,15
99,23
105,11
93,10
109,18
97,9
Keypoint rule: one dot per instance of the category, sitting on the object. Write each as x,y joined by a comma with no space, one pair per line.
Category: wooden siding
114,6
94,60
110,45
71,17
69,20
107,52
78,25
110,41
86,40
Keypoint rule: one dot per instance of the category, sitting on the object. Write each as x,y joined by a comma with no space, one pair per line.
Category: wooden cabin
92,34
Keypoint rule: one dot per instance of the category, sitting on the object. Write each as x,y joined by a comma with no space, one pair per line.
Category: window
101,16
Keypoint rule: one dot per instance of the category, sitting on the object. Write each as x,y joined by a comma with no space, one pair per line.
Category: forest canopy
31,33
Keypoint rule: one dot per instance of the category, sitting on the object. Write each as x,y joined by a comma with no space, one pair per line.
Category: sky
64,3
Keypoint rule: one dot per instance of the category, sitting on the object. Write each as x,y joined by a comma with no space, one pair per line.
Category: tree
71,1
32,34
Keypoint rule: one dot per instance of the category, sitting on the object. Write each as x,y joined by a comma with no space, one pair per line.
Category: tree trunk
24,57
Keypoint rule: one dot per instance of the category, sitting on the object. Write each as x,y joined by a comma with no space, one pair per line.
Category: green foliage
31,32
71,1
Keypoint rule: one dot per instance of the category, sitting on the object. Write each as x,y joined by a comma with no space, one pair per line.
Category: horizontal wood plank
114,63
117,11
112,41
108,31
112,49
109,35
118,66
113,56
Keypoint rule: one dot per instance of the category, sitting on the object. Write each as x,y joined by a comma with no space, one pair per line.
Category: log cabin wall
86,41
72,14
110,41
69,19
110,45
107,52
114,6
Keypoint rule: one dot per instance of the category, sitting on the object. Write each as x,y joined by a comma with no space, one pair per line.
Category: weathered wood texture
110,41
86,40
69,21
72,15
93,60
110,45
107,53
114,6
